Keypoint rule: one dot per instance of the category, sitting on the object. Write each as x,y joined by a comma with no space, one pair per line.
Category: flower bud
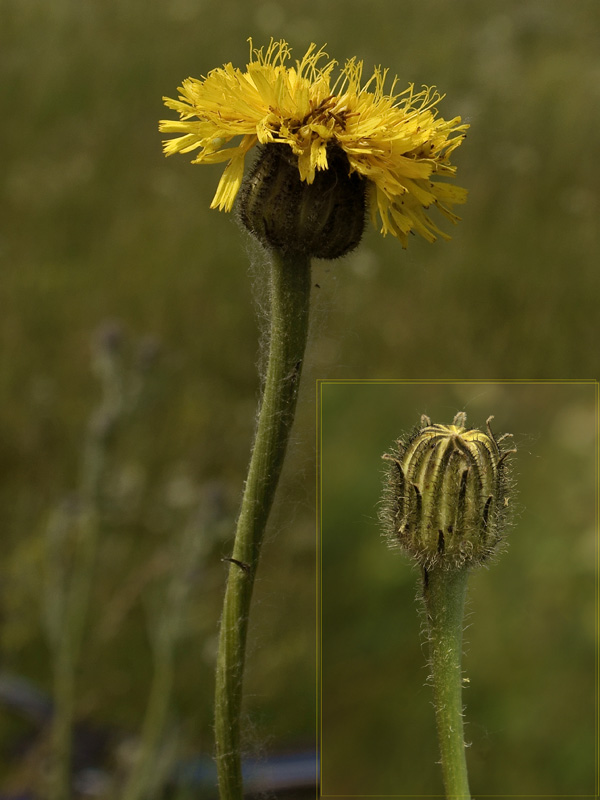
322,219
447,497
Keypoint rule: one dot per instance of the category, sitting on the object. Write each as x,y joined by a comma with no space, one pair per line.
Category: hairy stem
289,306
444,593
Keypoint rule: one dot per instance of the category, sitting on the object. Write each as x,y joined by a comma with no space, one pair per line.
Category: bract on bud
322,219
447,497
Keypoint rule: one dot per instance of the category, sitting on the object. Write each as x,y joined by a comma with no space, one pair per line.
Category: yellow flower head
394,141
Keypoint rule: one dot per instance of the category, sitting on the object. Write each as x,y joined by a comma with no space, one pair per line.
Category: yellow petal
229,185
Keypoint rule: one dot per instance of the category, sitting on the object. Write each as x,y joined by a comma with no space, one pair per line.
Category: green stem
290,298
444,594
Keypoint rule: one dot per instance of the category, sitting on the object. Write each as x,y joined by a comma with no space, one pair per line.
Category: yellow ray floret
393,140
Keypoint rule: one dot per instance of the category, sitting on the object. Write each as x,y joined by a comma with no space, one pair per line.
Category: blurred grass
96,225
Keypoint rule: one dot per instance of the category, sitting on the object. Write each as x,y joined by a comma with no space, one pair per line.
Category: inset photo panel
458,588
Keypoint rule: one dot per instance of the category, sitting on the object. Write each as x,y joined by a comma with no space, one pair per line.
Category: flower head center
323,113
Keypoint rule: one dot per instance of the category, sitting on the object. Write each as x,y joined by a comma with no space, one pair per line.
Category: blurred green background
530,640
98,226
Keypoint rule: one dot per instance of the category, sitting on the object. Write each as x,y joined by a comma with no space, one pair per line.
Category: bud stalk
446,504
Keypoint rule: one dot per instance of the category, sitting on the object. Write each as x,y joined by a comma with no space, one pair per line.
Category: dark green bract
323,219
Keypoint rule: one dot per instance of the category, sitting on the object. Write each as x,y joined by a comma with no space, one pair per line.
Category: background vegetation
98,227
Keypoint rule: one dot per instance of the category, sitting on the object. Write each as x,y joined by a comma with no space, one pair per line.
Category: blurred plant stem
444,592
147,775
69,585
289,311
